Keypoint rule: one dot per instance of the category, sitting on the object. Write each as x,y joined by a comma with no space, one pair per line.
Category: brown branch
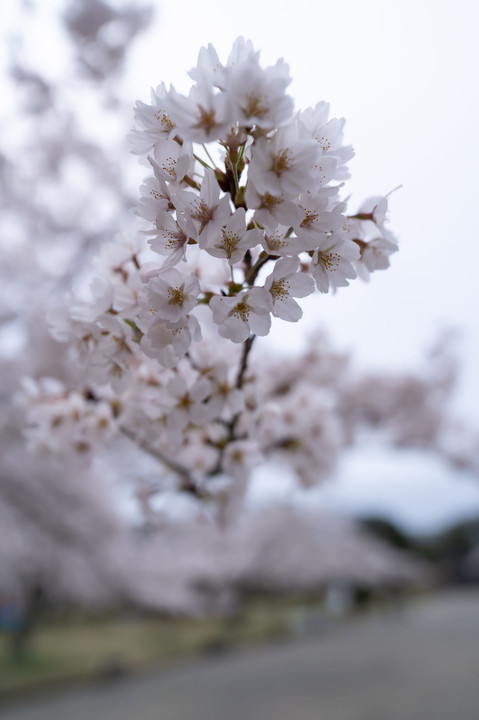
244,361
188,483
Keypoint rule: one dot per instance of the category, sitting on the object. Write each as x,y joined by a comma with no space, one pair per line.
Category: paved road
418,664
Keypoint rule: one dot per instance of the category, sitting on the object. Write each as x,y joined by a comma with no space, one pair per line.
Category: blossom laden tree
150,403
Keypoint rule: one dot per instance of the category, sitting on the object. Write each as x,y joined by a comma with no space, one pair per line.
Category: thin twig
244,360
146,447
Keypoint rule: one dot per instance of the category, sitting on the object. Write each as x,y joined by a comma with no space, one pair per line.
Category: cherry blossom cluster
241,216
204,433
244,204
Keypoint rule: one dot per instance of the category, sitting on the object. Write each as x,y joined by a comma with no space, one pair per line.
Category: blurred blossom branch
166,337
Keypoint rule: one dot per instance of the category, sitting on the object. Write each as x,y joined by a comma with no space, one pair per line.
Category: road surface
419,663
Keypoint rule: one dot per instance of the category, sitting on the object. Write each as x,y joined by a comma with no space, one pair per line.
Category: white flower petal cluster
239,316
375,241
273,195
66,422
284,284
242,215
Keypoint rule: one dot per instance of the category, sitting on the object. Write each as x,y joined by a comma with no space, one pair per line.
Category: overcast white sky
404,75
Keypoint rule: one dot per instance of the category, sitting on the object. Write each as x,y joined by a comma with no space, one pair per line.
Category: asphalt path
420,662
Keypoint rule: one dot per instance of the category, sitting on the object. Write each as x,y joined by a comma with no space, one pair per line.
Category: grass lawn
79,648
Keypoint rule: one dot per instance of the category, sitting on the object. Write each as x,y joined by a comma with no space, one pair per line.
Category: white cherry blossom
188,402
240,458
172,237
233,239
314,122
226,400
84,338
168,342
271,210
155,198
374,210
332,265
208,211
258,95
318,216
99,302
280,241
117,352
209,69
284,164
172,296
241,52
248,312
284,284
375,241
171,161
203,116
375,255
153,120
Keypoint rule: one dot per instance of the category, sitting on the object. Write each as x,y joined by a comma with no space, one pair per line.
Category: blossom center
329,261
281,162
310,217
280,289
169,166
224,389
184,402
324,142
176,295
268,201
203,213
275,242
206,119
229,242
241,310
175,239
255,106
164,119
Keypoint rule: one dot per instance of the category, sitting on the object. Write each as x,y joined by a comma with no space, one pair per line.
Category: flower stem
209,156
205,164
187,482
253,273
